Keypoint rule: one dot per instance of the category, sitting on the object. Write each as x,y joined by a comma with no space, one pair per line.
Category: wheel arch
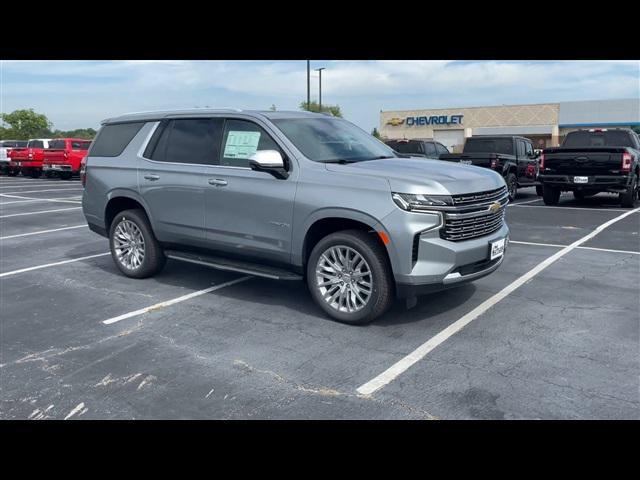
120,200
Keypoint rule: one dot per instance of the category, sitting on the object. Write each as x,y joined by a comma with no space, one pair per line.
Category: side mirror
269,161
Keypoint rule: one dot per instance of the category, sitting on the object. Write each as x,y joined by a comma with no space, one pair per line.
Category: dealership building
545,124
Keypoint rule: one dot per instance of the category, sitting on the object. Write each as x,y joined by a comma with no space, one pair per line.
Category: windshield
332,140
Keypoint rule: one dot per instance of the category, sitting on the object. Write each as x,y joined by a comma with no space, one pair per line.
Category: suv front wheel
349,277
134,247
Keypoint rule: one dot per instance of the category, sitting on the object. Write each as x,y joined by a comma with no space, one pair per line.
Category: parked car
418,148
28,160
593,161
291,196
5,147
511,156
63,157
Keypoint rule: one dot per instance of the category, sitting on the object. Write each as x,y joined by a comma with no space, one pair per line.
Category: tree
25,124
88,133
273,107
636,129
314,107
375,133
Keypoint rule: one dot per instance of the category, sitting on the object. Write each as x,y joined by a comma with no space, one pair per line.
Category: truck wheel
12,173
512,186
629,199
65,175
539,190
349,276
134,247
35,173
578,195
550,195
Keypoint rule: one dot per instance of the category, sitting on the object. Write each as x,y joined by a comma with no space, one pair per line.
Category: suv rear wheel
134,247
349,277
550,195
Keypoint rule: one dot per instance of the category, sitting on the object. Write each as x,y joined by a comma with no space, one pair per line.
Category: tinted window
520,148
430,149
113,139
35,144
441,149
77,145
528,149
242,139
610,138
194,140
489,145
406,147
57,144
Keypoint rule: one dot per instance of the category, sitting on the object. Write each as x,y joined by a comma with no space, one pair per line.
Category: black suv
418,148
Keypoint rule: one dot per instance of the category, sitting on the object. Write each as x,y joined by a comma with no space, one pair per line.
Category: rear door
172,177
248,212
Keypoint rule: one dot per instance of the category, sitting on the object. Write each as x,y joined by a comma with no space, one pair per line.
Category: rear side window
241,140
610,138
407,147
35,144
113,139
193,140
57,144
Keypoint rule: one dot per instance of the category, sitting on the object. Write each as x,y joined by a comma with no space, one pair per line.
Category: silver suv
291,196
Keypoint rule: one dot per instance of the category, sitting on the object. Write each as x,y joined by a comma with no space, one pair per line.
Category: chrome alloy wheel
128,243
344,279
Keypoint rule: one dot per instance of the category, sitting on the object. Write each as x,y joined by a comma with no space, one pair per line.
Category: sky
79,94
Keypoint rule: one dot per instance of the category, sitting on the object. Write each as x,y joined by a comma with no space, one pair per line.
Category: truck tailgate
584,161
54,156
477,159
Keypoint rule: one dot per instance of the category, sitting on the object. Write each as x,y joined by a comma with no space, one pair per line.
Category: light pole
319,70
308,85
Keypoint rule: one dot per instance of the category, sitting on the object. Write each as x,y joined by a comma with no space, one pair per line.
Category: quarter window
242,139
113,139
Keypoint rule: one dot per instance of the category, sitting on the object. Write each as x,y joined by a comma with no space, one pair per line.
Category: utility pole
319,70
308,85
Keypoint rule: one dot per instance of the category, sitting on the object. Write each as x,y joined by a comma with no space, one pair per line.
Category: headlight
413,202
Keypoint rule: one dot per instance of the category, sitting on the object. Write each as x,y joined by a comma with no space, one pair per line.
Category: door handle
152,177
217,182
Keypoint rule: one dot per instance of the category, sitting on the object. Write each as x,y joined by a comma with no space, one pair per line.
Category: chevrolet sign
435,120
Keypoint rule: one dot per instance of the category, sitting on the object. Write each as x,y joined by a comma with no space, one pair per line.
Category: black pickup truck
510,155
590,162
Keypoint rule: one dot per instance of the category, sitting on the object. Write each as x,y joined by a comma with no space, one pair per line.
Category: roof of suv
199,112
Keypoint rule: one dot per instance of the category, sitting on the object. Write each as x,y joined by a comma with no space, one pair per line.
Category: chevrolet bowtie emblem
495,207
395,121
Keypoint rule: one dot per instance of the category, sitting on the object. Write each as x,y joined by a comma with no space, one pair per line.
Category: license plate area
466,162
497,248
580,179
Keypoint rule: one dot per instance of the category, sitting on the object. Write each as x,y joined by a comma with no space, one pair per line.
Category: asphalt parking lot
78,340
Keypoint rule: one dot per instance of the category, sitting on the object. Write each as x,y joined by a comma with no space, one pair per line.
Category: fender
131,194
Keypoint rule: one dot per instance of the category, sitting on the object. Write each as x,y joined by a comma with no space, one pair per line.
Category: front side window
193,140
528,149
332,140
520,148
441,149
430,149
242,139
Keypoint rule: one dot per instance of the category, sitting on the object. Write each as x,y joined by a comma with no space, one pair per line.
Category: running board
221,263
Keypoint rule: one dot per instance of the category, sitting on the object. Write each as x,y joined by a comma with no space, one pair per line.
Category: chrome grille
472,217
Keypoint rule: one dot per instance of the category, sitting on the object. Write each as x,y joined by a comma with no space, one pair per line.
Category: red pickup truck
28,160
63,157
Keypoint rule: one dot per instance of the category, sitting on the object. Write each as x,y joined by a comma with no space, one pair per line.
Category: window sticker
241,144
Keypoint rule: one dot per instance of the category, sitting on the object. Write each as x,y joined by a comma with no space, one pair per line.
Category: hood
424,175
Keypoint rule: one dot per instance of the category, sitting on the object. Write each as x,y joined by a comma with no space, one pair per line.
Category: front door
248,212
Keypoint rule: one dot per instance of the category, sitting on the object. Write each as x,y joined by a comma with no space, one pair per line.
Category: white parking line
43,190
569,208
61,199
40,232
174,301
20,185
578,248
42,211
419,353
528,201
63,262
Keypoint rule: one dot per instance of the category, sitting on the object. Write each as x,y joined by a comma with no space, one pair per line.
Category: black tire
65,175
382,284
12,173
629,199
154,259
550,195
512,186
49,174
539,190
35,173
578,195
